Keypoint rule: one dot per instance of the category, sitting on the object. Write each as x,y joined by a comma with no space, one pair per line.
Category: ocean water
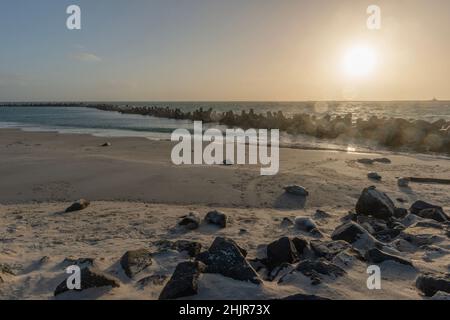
113,124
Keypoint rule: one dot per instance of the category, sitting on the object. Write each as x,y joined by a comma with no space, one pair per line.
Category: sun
359,61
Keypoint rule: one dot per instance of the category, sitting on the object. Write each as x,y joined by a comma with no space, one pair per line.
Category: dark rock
383,160
106,144
191,221
431,284
80,262
418,206
374,176
77,206
281,251
400,213
184,281
90,278
300,244
434,214
403,182
155,280
349,232
365,161
297,191
280,270
258,264
375,203
329,249
321,214
227,258
378,256
191,247
135,261
304,297
315,269
305,224
418,239
217,218
227,162
286,222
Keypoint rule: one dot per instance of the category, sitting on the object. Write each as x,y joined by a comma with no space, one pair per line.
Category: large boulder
228,259
349,232
377,256
431,284
184,281
78,206
281,251
375,203
135,261
90,278
218,218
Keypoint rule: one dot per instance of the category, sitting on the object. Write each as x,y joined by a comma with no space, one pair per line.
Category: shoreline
138,198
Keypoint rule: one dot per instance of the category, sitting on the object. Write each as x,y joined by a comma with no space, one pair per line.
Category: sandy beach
138,197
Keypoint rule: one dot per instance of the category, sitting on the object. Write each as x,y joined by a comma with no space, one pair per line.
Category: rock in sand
184,281
375,203
136,261
218,218
78,206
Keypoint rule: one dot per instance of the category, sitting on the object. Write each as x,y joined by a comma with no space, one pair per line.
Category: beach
138,198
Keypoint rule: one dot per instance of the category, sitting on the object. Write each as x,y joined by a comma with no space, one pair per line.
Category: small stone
106,144
374,176
297,191
431,284
383,160
365,161
329,249
403,182
136,261
191,247
218,218
78,206
90,278
305,224
227,162
441,296
286,223
436,214
184,281
191,221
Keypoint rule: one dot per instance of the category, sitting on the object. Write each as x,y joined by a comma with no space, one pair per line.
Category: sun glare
359,61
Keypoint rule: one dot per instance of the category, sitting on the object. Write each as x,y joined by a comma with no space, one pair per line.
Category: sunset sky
224,50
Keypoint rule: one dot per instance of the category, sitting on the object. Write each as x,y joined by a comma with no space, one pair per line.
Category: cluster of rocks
376,232
418,135
192,221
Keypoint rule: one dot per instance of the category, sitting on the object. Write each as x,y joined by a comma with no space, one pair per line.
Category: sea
82,120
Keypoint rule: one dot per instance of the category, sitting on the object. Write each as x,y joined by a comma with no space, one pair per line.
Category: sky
224,50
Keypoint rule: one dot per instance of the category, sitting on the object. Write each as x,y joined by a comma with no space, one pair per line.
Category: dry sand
138,197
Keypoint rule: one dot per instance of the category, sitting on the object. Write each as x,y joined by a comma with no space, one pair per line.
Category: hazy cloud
85,57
